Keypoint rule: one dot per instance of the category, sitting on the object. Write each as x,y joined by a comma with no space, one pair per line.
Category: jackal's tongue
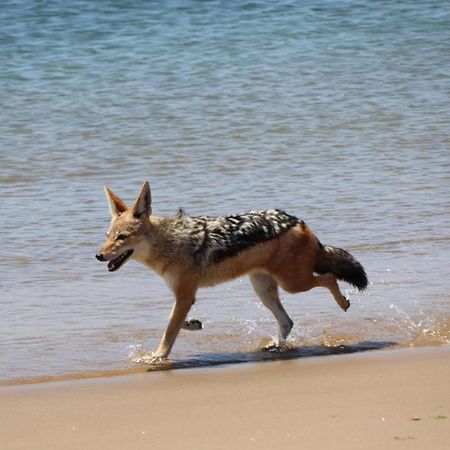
115,263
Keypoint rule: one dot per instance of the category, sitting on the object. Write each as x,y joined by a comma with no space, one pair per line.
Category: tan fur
287,261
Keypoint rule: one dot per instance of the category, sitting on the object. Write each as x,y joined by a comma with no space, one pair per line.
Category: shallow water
335,111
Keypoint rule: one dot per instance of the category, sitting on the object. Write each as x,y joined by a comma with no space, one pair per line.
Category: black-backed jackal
272,247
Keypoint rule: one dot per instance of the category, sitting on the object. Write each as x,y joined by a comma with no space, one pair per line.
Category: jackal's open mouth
115,263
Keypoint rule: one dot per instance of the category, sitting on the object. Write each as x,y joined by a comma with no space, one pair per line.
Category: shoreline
370,400
227,361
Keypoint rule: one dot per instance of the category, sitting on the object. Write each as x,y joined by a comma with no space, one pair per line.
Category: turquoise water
336,111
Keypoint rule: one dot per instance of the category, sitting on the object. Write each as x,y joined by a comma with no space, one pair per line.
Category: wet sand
389,399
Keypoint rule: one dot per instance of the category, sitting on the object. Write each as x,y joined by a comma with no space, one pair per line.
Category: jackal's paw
149,359
192,325
273,346
345,303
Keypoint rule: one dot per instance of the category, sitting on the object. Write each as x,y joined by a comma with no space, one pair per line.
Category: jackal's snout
100,257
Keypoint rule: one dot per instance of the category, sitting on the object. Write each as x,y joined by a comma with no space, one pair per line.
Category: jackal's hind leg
328,281
192,325
266,288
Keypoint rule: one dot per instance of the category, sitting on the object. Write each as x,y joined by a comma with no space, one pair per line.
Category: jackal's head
128,228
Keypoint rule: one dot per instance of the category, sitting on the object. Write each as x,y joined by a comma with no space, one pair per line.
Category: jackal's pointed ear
116,205
143,204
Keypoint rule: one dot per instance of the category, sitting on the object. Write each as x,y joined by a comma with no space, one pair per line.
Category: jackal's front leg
176,321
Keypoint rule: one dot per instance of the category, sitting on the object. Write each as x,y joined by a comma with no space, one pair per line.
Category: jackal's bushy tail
341,264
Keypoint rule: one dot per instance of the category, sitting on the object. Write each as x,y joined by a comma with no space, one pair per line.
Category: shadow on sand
218,359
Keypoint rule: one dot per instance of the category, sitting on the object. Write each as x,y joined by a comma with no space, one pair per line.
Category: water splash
419,329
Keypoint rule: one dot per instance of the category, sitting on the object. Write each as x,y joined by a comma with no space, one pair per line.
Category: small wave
312,338
390,245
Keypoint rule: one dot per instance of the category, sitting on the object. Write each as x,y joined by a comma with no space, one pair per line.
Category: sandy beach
390,399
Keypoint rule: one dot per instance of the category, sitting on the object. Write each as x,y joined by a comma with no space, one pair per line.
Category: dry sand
391,399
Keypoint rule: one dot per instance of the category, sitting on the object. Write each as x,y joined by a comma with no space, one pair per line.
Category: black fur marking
211,240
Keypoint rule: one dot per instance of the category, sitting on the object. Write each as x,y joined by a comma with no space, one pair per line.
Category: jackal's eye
121,237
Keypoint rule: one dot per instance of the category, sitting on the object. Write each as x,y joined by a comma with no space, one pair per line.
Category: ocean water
336,111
